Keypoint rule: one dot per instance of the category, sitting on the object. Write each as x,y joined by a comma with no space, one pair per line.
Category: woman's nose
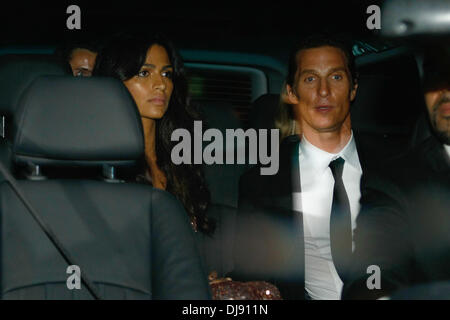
158,82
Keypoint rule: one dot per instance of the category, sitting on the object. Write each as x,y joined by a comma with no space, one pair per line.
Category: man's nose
324,89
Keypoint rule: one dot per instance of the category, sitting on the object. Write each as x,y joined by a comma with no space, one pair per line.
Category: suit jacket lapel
435,155
282,186
363,158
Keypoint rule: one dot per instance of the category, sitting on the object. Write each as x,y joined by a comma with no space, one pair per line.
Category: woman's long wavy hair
122,58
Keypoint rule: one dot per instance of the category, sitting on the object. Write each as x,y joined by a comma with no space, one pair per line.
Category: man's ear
353,92
291,96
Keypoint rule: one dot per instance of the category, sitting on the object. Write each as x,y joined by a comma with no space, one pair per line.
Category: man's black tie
340,221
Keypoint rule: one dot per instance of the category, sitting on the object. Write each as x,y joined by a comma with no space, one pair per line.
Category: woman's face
152,87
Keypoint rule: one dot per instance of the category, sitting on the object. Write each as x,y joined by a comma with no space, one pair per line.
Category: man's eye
337,77
143,73
168,74
309,79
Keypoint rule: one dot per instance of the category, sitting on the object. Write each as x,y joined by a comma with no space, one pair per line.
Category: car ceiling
254,27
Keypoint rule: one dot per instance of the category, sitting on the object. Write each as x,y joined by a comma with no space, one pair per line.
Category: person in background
80,55
403,228
285,119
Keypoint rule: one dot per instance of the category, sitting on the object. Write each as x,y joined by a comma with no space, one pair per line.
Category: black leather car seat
133,241
263,111
17,72
223,184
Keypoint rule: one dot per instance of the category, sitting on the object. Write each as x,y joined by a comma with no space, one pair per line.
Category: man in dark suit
403,227
293,229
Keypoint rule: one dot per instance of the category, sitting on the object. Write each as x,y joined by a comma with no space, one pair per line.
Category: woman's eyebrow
153,66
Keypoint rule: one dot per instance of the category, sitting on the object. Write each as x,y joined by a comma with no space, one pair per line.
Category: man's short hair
317,41
435,67
64,52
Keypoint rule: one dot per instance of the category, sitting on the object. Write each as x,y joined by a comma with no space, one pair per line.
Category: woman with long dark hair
153,72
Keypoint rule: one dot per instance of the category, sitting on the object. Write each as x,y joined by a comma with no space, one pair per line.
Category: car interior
64,138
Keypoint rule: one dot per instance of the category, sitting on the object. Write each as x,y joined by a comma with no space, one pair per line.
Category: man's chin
328,127
441,129
443,136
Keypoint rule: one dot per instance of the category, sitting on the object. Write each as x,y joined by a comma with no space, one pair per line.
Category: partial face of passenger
152,87
438,105
323,92
82,62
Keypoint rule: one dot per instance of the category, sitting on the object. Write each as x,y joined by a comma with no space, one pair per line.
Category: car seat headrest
263,112
65,120
17,72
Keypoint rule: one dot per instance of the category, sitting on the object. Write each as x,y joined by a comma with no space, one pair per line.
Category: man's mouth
443,108
323,108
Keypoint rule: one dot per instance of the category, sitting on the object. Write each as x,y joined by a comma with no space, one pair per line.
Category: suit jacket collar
276,190
362,152
283,183
433,153
316,160
289,166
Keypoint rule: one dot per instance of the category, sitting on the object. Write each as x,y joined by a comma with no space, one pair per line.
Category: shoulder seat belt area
58,245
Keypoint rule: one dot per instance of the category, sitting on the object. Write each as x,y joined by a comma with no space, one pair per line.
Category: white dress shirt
321,278
447,148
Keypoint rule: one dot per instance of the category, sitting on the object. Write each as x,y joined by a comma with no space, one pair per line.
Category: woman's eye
168,74
143,73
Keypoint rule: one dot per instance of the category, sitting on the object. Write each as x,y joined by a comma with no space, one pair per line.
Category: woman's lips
158,101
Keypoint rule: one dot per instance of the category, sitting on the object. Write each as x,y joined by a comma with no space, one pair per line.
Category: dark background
243,25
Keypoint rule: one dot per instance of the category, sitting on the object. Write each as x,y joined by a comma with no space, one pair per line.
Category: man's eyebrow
153,66
309,71
330,71
338,69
